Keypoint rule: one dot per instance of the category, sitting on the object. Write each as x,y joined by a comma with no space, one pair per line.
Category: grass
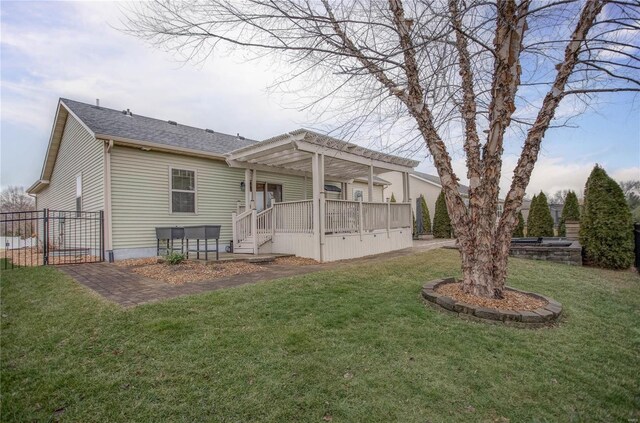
350,345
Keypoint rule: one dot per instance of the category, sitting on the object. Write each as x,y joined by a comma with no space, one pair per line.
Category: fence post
101,235
45,242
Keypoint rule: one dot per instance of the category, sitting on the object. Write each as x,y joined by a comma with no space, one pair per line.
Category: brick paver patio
119,285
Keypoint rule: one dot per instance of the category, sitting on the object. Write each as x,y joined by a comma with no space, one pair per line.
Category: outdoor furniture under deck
202,233
167,236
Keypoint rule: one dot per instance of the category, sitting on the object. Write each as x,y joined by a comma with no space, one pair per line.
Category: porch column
254,185
316,204
405,196
371,183
247,189
322,205
408,187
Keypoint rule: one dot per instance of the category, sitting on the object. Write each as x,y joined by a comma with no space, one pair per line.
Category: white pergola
309,154
319,228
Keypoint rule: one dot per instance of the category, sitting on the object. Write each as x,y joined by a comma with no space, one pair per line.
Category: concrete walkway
129,289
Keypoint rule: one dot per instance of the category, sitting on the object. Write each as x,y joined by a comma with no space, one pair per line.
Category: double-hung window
183,191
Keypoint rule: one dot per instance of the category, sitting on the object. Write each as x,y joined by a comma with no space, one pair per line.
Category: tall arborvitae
426,216
414,226
606,228
441,220
540,222
393,198
518,232
529,217
570,212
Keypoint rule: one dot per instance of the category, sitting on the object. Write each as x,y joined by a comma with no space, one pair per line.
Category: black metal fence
50,237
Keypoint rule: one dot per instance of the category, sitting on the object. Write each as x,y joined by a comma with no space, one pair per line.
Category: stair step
243,250
263,259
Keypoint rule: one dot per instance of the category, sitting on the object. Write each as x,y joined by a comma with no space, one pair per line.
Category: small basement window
79,193
183,191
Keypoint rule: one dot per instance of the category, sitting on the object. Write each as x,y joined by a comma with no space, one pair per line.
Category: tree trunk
483,265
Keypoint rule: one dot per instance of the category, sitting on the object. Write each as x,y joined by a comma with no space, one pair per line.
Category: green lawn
355,344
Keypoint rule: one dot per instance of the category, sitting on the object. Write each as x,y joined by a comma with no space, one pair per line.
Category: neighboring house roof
526,205
464,190
110,123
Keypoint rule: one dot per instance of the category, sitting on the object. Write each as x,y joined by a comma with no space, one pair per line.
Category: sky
74,50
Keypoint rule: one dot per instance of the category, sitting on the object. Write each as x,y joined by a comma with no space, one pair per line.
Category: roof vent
172,122
97,106
209,131
240,136
127,113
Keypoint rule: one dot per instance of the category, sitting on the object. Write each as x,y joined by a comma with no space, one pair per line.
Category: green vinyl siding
79,153
140,194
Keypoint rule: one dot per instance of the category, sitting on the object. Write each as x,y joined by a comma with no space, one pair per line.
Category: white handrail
242,226
265,225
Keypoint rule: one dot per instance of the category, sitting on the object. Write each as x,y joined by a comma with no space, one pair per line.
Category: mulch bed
187,271
514,301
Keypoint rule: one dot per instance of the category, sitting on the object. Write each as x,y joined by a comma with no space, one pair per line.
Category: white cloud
126,73
626,174
550,174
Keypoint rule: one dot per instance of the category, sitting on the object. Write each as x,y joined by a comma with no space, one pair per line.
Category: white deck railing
400,215
340,217
293,217
343,216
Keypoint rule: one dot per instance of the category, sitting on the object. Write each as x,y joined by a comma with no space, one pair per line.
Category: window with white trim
79,193
183,191
500,210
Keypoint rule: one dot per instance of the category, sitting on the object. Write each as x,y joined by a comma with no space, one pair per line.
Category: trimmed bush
570,212
606,229
426,216
540,222
518,232
174,258
393,198
531,207
441,220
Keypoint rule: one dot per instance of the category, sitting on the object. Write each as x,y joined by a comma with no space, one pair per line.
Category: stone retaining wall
571,255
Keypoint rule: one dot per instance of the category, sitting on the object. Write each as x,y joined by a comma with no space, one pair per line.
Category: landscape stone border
537,318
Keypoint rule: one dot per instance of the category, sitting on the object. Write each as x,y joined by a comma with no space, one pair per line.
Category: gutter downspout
108,242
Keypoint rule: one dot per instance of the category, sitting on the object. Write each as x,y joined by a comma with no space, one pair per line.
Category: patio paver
128,289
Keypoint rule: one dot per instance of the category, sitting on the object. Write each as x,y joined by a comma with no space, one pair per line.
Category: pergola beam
266,168
350,157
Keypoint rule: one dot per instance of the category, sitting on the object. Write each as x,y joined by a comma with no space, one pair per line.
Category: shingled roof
110,123
464,190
